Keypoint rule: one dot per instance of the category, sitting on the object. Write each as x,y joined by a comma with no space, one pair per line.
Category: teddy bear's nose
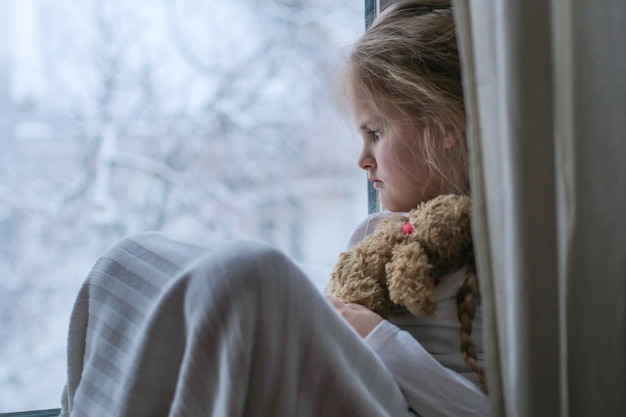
407,228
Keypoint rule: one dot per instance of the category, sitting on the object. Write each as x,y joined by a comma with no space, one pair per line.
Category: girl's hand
359,317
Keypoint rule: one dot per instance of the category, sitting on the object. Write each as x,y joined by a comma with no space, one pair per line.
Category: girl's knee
250,268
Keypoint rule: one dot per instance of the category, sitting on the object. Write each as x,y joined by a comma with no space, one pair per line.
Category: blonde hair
407,64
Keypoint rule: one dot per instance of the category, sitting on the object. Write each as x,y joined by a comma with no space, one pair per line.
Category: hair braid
466,300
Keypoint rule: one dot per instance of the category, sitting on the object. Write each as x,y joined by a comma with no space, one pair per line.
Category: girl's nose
366,160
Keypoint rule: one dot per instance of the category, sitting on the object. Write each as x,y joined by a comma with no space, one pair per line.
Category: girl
166,328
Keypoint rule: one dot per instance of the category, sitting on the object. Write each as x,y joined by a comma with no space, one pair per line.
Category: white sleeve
430,388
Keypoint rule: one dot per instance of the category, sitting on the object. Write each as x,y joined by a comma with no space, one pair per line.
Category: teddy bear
402,262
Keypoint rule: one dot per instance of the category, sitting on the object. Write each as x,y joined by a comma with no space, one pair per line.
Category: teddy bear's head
402,261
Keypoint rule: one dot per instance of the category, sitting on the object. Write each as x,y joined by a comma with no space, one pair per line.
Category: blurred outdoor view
205,119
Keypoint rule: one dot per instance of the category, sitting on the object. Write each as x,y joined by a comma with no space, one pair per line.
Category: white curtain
546,91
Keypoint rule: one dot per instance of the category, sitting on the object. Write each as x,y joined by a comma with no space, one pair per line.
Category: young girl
166,328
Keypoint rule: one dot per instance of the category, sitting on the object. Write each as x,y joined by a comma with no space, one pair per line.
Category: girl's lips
376,183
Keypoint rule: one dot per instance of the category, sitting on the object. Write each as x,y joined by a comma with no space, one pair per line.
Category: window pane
207,120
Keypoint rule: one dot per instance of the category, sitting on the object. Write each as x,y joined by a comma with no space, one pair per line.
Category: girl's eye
375,135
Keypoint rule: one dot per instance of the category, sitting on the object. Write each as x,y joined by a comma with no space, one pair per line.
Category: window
206,120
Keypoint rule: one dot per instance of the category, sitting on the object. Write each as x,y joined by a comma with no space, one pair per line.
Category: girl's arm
430,388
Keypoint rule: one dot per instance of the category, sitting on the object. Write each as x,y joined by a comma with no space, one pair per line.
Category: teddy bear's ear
359,275
409,280
358,278
349,285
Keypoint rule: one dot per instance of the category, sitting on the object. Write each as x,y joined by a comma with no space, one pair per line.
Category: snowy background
205,119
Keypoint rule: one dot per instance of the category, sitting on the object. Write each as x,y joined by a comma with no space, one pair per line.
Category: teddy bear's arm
409,280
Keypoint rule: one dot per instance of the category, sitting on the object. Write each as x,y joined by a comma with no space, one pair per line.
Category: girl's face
400,175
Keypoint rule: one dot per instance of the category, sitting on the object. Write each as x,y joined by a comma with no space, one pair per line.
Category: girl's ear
450,140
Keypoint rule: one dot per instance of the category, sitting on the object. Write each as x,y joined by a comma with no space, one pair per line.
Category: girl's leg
239,331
